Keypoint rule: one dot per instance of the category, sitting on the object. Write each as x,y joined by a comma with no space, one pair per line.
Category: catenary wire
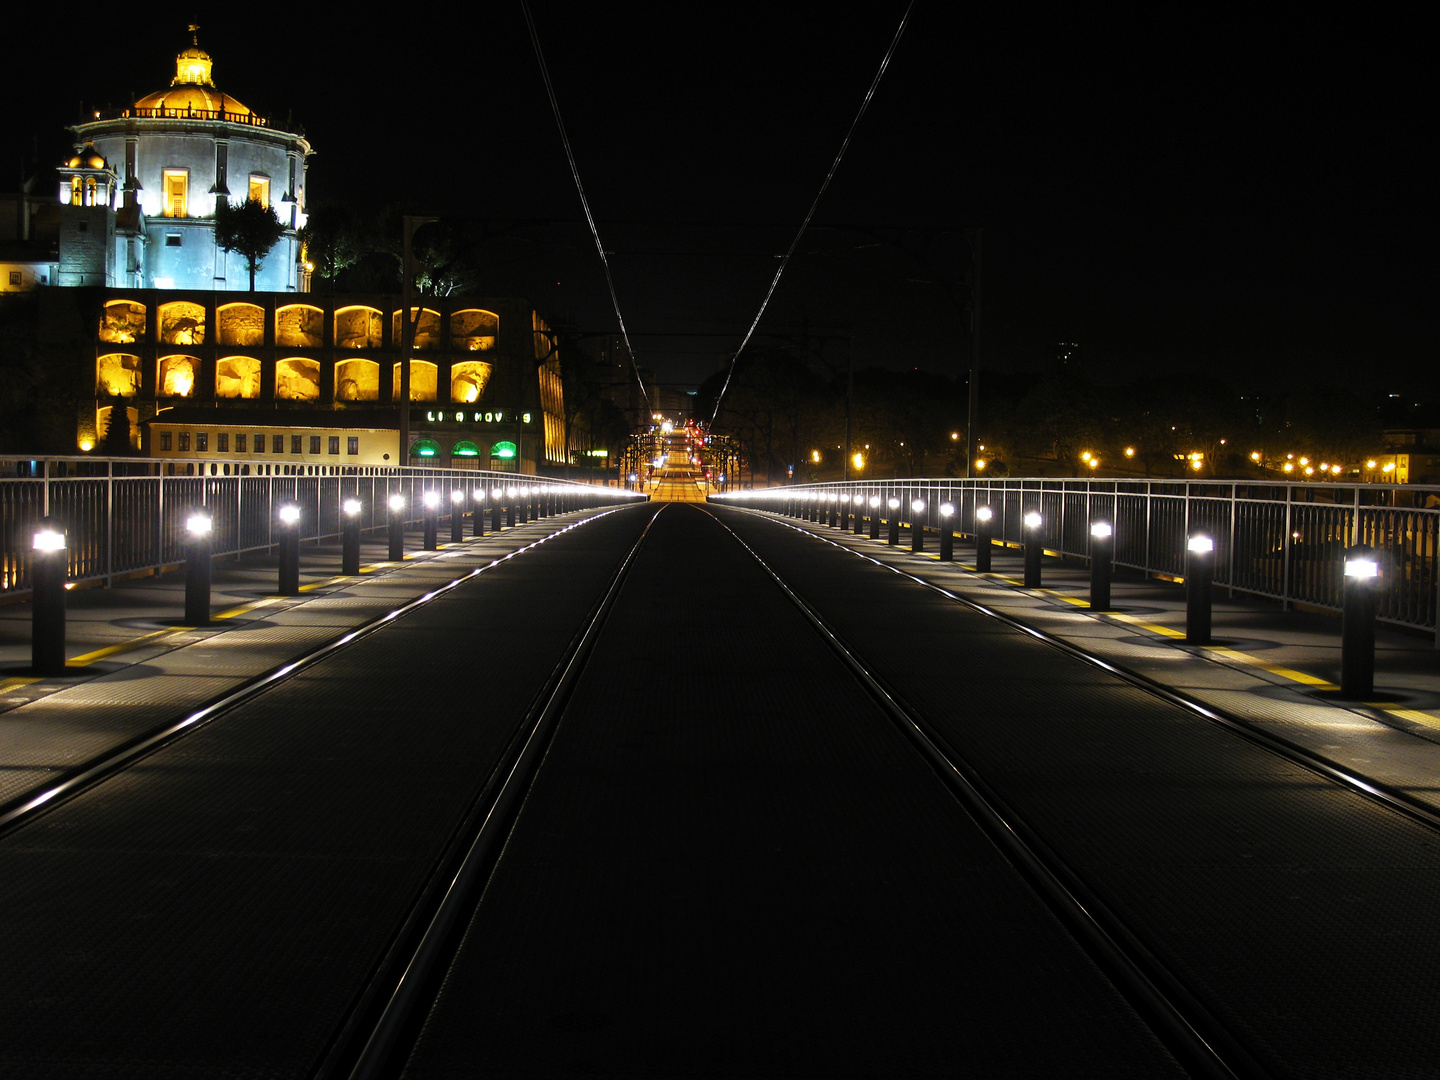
584,202
834,167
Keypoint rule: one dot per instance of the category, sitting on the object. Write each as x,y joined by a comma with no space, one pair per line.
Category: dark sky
1247,193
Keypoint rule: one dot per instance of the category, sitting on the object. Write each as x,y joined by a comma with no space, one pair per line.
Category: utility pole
972,423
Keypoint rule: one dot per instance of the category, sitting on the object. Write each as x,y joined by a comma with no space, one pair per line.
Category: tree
251,229
332,241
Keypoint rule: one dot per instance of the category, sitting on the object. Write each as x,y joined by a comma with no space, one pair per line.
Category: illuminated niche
423,379
357,380
299,326
122,322
102,423
241,324
297,379
177,376
117,375
468,380
237,377
427,329
358,328
182,323
474,330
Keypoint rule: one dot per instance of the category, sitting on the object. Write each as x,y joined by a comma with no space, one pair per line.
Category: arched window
122,322
182,323
299,326
357,380
425,448
177,376
297,379
423,376
468,380
427,328
465,448
241,324
474,330
237,377
358,328
117,375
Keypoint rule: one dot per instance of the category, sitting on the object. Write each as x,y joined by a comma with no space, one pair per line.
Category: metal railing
123,516
1279,540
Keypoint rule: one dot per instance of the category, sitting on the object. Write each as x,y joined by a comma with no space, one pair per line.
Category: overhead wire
834,167
584,202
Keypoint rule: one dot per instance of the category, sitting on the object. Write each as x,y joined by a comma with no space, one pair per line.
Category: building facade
139,193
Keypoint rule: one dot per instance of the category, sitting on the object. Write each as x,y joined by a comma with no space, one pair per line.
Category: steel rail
1391,798
373,1046
1201,1042
23,810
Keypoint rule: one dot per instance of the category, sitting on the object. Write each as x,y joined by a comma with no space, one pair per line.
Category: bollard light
47,607
477,516
1357,623
1199,569
457,516
350,537
1034,548
844,510
289,516
874,517
983,514
1102,551
917,527
198,527
431,501
947,533
892,524
496,495
396,528
510,507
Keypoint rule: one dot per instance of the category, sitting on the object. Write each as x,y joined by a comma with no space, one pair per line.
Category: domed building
144,182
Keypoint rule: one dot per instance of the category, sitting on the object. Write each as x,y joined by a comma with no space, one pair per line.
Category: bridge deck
730,864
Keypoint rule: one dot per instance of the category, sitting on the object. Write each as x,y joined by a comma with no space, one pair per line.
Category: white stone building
139,193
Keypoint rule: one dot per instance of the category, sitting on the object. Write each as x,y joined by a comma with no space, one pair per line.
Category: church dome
87,158
192,90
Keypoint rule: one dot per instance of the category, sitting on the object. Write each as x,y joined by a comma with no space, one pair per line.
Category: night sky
1239,194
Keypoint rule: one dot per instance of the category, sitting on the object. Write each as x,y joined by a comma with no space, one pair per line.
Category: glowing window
237,377
425,448
260,189
117,375
357,380
422,381
465,448
177,376
176,187
297,379
503,450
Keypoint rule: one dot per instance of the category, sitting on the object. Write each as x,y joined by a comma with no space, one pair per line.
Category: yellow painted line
1415,716
17,682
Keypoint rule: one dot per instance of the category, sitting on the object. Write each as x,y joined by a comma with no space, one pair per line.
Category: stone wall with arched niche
297,379
357,380
176,376
241,324
423,376
300,326
122,322
102,424
117,375
359,328
474,330
468,380
237,377
182,323
427,329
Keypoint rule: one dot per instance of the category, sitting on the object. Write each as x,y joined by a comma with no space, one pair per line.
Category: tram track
18,812
1198,1041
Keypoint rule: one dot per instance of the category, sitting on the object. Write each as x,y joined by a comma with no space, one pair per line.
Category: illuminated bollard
289,516
892,524
832,509
457,516
859,502
844,511
496,509
198,528
983,515
522,510
431,501
874,517
47,605
396,524
947,533
350,537
510,494
917,527
1102,555
1357,623
1034,548
477,516
1199,570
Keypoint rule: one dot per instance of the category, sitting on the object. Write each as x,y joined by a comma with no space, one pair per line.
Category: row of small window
243,445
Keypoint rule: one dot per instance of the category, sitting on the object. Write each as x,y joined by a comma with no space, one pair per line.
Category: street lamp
917,527
892,529
1199,570
457,516
431,500
397,527
47,607
350,537
1102,551
983,514
289,516
1034,547
947,533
